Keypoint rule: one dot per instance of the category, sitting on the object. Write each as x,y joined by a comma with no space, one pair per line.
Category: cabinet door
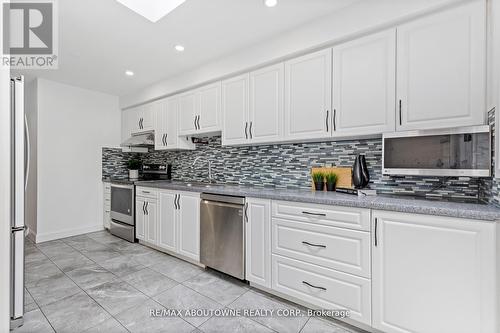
364,85
160,113
172,109
150,221
126,124
188,112
428,265
258,241
189,226
266,104
209,113
167,221
308,101
441,69
139,219
235,110
148,117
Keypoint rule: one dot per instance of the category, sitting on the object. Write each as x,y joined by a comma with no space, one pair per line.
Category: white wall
73,125
356,20
4,192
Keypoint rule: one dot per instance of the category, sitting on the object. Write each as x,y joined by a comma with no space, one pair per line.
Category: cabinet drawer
146,192
337,248
323,287
344,217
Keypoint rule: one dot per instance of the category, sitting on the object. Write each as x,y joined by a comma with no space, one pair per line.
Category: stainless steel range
123,199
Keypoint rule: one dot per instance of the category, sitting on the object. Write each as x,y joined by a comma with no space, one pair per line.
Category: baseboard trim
44,237
31,235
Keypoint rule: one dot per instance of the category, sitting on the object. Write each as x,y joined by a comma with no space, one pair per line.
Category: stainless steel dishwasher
222,234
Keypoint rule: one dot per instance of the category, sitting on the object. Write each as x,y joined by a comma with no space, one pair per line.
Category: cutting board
344,175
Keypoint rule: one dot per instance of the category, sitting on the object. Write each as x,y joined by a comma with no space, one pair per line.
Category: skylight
153,10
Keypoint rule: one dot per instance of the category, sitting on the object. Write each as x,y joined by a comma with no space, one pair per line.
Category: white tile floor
100,283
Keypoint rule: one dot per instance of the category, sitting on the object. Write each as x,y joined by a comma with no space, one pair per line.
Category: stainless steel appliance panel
121,230
451,152
123,203
222,240
18,186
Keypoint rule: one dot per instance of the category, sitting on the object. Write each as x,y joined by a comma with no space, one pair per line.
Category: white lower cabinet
188,220
106,219
321,256
433,274
325,288
178,225
167,221
146,215
258,241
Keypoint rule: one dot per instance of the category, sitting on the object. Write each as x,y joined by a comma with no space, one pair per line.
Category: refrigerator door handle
28,153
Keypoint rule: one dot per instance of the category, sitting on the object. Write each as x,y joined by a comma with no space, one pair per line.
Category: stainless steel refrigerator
19,177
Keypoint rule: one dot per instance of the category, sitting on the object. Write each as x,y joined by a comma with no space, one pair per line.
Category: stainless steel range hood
144,139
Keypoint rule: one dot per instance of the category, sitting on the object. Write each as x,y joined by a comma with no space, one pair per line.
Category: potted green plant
319,180
331,181
133,166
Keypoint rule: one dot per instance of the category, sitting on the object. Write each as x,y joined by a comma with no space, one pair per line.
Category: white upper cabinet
308,87
235,110
188,113
433,267
200,110
364,85
166,132
266,104
209,113
147,117
441,69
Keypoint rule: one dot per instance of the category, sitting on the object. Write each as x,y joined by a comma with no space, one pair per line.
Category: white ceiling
100,39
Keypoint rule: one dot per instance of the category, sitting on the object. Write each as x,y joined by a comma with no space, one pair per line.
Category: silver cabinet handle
313,286
315,245
178,201
195,127
147,204
144,208
246,130
250,130
400,113
146,192
375,231
327,118
166,139
246,212
175,201
334,119
198,122
315,214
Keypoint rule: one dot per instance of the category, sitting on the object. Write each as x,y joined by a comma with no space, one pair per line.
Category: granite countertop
474,211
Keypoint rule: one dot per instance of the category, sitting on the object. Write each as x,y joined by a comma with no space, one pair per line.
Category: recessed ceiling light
271,3
153,10
179,48
129,73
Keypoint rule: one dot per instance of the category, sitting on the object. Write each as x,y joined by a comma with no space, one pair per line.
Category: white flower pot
133,174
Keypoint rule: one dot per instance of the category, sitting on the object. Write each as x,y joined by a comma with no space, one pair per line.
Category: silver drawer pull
146,192
315,214
310,285
315,245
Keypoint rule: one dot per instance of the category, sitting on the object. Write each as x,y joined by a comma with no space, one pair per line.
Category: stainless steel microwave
464,151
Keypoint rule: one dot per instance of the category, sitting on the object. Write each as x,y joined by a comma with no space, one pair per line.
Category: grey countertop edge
471,211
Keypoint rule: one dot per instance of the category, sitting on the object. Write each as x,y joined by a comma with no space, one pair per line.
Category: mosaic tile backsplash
288,165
